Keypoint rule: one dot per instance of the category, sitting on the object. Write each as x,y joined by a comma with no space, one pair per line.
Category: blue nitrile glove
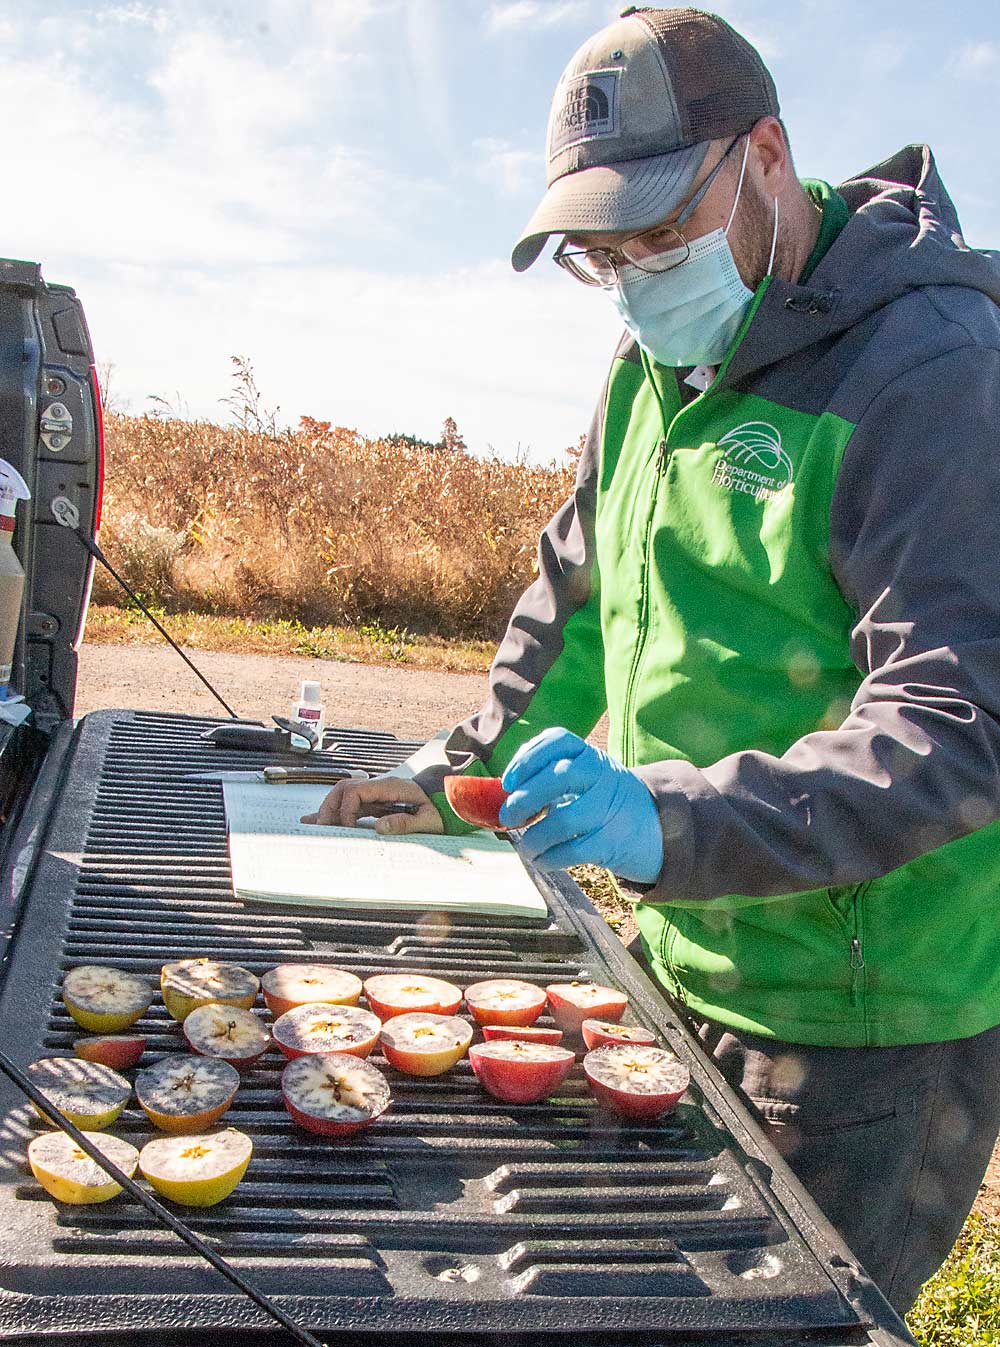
610,818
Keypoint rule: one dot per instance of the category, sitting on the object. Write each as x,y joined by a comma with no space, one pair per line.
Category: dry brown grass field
320,525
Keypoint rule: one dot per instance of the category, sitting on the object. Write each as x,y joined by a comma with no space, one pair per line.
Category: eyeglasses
653,250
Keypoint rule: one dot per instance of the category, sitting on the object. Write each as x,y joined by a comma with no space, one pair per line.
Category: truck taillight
95,388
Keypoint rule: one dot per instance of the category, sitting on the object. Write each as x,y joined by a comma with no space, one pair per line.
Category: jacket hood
903,234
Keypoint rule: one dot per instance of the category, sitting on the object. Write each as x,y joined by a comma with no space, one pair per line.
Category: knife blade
277,776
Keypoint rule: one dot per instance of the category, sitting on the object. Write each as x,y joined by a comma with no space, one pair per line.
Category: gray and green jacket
786,595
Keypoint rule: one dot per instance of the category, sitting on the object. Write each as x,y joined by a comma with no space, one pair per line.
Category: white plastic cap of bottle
310,693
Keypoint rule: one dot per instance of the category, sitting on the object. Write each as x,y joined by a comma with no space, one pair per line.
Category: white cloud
509,15
510,170
977,58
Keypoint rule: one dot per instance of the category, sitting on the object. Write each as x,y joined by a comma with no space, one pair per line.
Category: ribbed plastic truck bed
454,1220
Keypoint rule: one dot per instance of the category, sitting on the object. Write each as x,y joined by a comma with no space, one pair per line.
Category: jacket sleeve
916,764
549,668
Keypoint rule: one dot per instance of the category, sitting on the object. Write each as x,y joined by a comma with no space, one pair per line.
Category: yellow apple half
68,1174
90,1095
197,1170
105,999
190,983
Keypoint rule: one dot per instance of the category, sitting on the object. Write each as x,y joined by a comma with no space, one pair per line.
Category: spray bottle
12,489
310,710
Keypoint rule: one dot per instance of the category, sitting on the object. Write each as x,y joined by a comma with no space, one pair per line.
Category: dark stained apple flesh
333,1094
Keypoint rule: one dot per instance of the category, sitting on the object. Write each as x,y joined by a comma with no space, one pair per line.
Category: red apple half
391,994
425,1045
115,1050
505,1001
636,1080
525,1033
326,1028
476,799
227,1032
596,1033
300,984
519,1072
573,1002
333,1094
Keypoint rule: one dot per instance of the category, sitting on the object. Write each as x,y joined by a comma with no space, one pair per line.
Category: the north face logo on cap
589,109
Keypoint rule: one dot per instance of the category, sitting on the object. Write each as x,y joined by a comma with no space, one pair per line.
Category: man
779,575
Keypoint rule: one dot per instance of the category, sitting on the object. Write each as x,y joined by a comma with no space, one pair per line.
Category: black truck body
456,1220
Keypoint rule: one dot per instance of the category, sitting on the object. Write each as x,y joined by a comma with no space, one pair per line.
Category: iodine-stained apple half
186,1094
570,1003
425,1045
596,1033
227,1032
334,1094
326,1028
119,1051
67,1172
635,1080
504,1001
198,1170
190,983
391,994
300,984
104,1000
89,1094
519,1072
526,1033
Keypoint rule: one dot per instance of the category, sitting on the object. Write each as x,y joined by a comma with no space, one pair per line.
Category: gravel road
411,703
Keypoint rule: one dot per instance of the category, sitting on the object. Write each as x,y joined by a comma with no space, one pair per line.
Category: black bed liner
456,1219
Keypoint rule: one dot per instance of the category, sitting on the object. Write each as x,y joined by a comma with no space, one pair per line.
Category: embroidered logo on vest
754,462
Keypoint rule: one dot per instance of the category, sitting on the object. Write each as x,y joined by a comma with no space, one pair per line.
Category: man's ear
769,150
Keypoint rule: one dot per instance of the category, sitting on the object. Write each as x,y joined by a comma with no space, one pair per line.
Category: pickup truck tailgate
455,1218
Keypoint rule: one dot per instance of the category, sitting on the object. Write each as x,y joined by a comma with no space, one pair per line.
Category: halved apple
300,984
519,1072
504,1001
186,1094
117,1050
190,983
333,1094
476,799
105,999
90,1095
326,1028
573,1002
198,1170
391,994
425,1045
636,1080
526,1033
67,1172
596,1033
227,1032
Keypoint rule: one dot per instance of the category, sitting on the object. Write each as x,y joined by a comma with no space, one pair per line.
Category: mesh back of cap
721,85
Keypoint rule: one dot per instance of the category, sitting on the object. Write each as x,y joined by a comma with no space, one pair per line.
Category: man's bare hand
351,800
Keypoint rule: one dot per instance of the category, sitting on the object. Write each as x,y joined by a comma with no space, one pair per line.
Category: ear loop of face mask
736,202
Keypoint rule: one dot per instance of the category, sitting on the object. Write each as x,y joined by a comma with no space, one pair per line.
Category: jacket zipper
628,740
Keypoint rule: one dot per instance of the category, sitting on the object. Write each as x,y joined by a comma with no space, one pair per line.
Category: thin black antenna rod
167,1218
95,551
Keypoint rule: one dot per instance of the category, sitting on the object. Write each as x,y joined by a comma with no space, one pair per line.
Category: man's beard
751,235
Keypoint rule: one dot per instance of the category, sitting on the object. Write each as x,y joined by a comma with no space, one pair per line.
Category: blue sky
333,188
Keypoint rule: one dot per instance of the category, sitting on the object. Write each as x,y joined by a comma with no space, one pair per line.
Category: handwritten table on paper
277,859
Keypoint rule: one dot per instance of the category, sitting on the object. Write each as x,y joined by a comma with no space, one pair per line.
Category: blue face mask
689,314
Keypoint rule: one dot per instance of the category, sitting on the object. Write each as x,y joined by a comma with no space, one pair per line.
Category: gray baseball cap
632,118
